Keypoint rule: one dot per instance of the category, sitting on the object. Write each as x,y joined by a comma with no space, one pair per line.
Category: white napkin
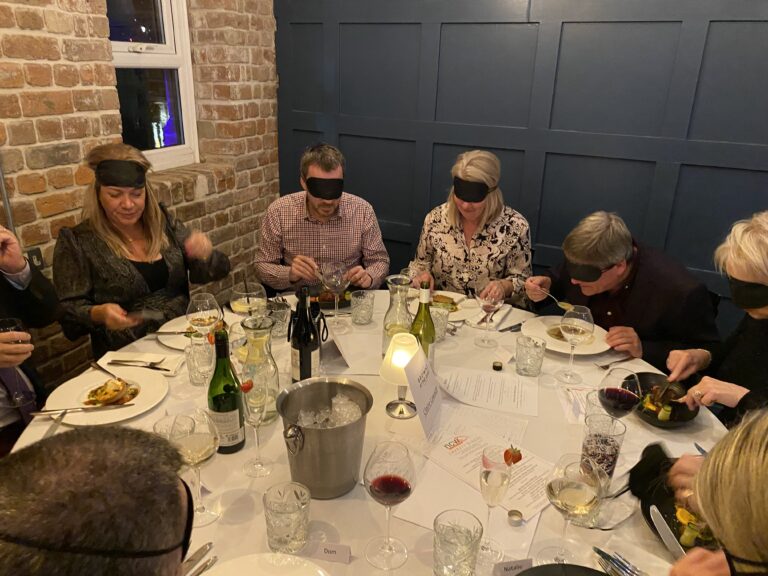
171,362
498,318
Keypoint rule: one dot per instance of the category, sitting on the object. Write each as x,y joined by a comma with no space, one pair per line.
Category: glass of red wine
388,477
619,392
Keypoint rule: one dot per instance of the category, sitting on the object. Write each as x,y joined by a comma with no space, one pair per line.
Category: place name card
330,552
425,388
512,567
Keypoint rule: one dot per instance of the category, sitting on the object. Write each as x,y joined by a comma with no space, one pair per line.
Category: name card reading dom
425,388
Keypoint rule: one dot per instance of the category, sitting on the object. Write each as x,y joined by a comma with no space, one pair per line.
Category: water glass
362,306
440,320
200,360
593,405
529,355
286,509
456,543
280,312
603,436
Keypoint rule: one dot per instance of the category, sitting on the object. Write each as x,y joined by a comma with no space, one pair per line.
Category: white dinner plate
468,307
268,564
153,388
179,341
541,324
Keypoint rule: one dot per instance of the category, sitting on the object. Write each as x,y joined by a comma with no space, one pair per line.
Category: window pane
135,21
150,107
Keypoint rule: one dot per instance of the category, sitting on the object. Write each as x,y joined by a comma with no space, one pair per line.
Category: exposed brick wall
58,100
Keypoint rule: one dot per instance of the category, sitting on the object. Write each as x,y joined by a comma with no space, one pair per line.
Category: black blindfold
583,272
120,173
748,295
469,191
325,188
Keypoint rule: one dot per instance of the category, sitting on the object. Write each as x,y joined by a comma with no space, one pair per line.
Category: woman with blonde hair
473,242
122,271
730,495
737,372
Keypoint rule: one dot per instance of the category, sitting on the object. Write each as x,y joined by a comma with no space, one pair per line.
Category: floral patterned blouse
500,251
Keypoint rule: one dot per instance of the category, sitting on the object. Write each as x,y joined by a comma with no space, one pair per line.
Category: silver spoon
563,305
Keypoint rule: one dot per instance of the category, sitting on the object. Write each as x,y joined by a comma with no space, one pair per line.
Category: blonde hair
478,166
324,155
601,239
730,489
746,247
151,218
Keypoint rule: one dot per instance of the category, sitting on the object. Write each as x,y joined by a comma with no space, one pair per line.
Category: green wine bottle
225,399
423,327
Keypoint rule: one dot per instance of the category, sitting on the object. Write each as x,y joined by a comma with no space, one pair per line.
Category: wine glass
250,300
576,326
494,480
195,436
203,312
388,478
489,304
335,280
575,487
619,392
22,396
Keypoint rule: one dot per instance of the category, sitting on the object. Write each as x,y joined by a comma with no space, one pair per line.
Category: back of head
730,488
478,166
84,501
324,155
601,239
746,247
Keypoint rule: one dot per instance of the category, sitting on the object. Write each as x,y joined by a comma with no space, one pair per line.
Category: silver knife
136,364
51,430
666,534
48,411
198,555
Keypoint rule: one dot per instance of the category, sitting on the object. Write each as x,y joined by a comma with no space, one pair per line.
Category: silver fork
152,365
608,365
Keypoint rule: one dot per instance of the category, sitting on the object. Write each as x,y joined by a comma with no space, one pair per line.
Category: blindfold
748,295
583,272
469,191
325,188
120,173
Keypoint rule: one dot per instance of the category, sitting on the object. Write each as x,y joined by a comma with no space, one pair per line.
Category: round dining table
354,518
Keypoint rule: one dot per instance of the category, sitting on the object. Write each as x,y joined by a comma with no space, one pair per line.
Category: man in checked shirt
320,224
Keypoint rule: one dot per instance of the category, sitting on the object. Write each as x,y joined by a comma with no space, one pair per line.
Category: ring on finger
697,394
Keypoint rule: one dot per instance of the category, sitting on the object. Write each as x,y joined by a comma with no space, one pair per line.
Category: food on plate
693,532
113,391
658,401
443,301
326,296
554,332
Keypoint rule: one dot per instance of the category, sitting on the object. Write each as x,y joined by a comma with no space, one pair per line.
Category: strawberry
246,386
211,338
512,455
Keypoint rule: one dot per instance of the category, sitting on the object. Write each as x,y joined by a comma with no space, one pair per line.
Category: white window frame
174,54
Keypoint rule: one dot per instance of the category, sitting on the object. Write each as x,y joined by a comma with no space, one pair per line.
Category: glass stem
256,436
488,523
199,506
388,543
336,307
570,362
560,558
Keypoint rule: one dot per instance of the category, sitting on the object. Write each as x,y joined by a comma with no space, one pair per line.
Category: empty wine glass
575,487
195,436
490,303
250,300
203,312
335,280
388,478
619,392
494,480
576,326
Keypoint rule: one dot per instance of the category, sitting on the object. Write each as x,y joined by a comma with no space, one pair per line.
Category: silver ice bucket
326,460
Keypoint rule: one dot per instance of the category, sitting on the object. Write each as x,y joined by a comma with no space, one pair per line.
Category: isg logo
455,443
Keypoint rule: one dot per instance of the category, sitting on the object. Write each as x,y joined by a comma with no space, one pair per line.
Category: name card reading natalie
425,388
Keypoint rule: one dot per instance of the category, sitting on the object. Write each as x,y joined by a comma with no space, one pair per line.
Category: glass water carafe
398,318
260,367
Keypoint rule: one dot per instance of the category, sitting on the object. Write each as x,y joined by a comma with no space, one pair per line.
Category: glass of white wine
574,489
250,300
334,275
197,439
577,327
494,480
203,312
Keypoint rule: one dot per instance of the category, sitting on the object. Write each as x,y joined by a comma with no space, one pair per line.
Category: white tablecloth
355,518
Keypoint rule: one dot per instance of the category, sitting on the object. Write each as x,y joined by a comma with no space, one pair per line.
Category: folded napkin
649,475
170,362
498,319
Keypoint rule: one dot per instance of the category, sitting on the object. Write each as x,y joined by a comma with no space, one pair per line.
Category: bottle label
424,296
296,363
228,425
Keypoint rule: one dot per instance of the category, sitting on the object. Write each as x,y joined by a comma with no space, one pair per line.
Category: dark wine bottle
305,341
225,399
423,327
